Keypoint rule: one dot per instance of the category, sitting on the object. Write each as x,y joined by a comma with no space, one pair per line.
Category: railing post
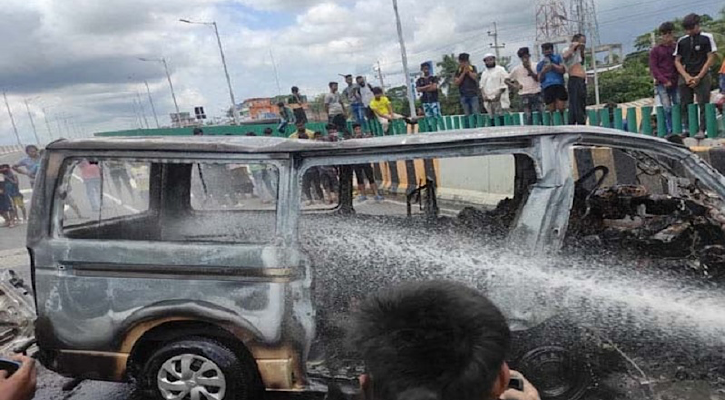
661,122
449,122
592,117
604,118
565,117
536,118
693,119
516,119
677,118
507,120
557,118
711,120
632,120
479,121
457,122
647,120
618,122
547,118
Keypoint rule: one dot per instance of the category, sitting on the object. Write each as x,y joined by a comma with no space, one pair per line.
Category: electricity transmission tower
583,16
552,21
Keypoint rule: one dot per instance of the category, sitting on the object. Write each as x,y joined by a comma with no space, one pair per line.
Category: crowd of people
12,201
681,69
557,82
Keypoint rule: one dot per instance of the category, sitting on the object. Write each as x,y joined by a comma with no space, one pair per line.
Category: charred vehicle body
191,264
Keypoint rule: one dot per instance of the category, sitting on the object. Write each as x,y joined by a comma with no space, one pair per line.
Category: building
263,108
182,120
258,108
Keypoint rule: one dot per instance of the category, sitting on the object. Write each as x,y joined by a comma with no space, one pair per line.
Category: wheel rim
558,374
191,377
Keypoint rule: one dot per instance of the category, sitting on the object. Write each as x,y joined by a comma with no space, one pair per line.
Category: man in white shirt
525,78
335,108
494,88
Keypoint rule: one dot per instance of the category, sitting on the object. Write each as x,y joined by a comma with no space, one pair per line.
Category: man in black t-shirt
467,82
427,86
694,55
296,102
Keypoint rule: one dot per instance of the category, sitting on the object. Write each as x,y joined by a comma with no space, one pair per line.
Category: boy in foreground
435,340
363,171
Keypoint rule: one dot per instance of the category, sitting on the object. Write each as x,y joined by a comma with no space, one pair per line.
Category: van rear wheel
200,369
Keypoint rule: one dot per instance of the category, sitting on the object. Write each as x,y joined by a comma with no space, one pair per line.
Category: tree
449,97
448,67
317,107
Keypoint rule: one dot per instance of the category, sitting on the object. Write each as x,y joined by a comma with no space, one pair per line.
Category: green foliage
450,98
623,85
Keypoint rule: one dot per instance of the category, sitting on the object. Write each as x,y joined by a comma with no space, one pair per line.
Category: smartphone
516,383
9,365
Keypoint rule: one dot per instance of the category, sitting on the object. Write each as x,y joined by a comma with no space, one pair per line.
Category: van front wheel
198,368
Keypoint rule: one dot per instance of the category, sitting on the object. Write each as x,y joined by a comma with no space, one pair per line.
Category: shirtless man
574,61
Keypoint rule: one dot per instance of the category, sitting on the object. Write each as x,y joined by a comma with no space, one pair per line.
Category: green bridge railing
634,121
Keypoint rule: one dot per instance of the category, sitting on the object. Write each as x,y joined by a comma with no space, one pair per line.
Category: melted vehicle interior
197,208
346,247
664,217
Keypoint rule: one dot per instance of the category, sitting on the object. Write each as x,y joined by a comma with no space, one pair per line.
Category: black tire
242,381
554,357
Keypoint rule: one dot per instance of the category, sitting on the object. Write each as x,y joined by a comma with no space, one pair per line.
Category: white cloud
78,55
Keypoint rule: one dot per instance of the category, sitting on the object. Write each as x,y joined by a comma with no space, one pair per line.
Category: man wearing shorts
363,171
551,75
12,186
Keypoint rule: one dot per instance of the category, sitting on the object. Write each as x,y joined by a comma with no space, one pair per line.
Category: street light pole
12,120
226,73
235,115
32,123
151,101
47,125
171,85
404,56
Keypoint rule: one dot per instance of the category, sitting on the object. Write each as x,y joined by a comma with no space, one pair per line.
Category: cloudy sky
76,61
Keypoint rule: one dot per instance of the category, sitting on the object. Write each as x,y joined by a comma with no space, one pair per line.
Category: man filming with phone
435,340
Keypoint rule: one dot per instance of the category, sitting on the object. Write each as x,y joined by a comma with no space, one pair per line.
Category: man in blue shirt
551,75
29,165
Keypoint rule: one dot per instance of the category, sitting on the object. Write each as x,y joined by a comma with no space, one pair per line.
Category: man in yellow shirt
383,109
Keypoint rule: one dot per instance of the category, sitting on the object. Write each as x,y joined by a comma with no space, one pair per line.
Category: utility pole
143,111
594,65
276,77
495,45
229,81
135,113
32,123
47,125
171,86
380,77
224,63
12,120
151,101
404,56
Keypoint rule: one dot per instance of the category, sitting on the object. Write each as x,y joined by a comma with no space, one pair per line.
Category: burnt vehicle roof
260,144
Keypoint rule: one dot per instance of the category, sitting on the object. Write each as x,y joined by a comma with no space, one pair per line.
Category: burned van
224,266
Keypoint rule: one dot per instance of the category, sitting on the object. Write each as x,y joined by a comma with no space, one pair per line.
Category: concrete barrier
482,180
10,149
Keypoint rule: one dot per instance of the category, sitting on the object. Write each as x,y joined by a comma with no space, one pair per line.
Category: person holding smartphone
435,340
574,59
21,384
550,72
